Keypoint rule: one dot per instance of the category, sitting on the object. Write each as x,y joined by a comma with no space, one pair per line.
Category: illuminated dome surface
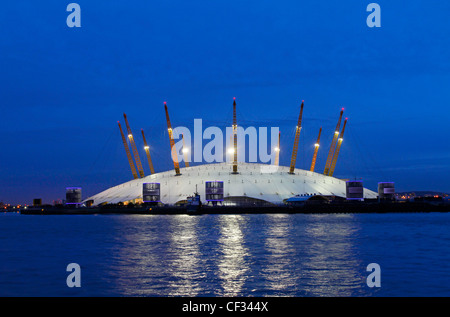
262,182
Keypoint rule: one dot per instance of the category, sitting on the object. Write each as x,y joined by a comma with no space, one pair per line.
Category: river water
225,255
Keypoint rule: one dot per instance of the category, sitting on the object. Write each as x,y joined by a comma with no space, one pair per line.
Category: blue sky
62,90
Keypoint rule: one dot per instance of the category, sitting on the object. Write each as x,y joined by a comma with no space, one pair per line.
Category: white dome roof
261,181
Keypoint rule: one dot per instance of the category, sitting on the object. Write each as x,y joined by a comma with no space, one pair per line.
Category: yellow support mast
172,143
316,149
147,151
338,147
235,169
127,150
333,145
298,128
133,147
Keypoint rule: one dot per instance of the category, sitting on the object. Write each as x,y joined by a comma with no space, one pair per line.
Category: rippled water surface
225,255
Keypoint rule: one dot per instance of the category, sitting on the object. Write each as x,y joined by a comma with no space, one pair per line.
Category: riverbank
339,207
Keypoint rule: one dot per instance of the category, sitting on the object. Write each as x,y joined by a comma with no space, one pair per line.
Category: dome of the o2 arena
254,183
235,183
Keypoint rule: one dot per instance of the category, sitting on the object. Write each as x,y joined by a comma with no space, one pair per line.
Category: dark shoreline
321,208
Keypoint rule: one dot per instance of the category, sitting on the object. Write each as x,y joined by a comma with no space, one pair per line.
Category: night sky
62,90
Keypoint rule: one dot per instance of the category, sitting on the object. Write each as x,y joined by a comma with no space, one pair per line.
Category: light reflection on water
226,255
280,254
237,255
232,263
184,257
